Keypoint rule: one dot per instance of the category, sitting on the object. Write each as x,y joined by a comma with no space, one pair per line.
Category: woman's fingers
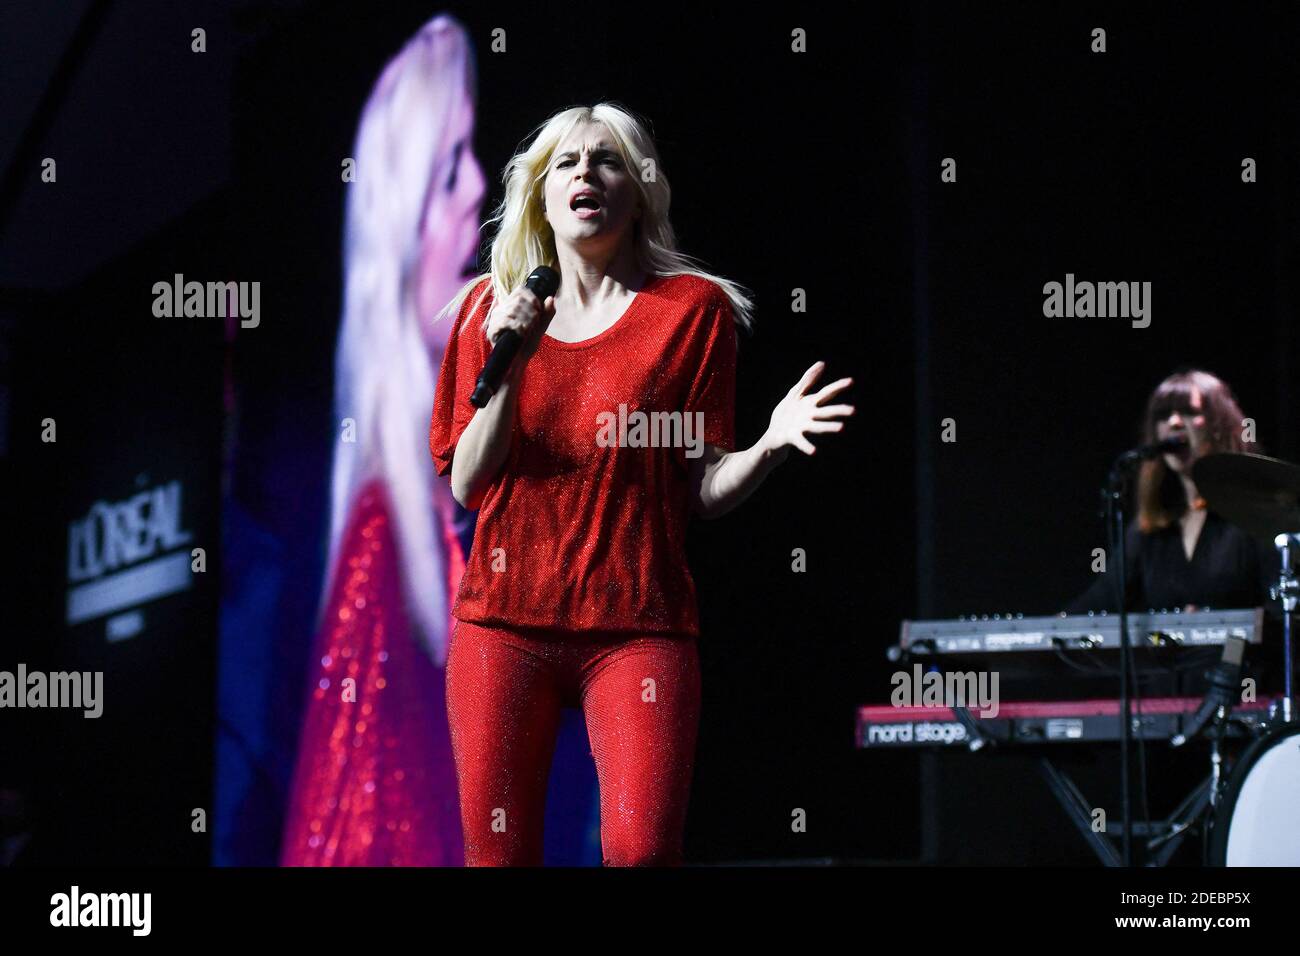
832,389
518,313
830,411
796,417
809,377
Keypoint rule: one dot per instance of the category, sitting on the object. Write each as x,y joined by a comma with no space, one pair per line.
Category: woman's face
588,161
1183,418
449,229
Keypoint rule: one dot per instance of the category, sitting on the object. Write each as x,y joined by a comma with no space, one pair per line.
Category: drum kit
1253,813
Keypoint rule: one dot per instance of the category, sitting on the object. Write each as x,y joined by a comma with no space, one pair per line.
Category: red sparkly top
584,526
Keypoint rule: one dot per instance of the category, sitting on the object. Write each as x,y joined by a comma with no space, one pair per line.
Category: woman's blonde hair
384,373
524,239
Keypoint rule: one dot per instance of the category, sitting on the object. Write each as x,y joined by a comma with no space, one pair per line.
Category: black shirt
1228,569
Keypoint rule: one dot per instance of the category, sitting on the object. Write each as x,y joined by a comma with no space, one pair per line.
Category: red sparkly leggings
640,695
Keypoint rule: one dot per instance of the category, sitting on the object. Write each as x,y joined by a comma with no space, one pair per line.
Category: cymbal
1261,495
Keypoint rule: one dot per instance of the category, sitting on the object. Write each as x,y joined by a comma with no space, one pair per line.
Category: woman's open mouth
586,206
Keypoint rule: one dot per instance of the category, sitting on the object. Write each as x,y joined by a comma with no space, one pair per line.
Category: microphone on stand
1225,686
1112,496
1143,452
542,281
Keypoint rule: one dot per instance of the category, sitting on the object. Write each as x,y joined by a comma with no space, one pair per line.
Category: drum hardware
1285,592
1254,821
1262,496
1225,684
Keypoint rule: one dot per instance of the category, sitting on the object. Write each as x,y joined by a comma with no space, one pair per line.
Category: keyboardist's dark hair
1161,500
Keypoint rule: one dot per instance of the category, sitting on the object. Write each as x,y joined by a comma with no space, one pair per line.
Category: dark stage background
819,171
1115,166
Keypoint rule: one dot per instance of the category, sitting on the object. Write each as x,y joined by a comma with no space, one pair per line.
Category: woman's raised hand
798,413
520,312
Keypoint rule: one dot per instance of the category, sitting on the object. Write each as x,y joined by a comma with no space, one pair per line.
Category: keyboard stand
1163,837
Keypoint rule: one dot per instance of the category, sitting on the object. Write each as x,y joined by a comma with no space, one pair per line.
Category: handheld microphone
542,281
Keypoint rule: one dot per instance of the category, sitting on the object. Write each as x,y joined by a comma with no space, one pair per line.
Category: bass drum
1257,821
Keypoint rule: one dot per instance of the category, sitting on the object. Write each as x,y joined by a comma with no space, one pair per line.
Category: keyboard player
1179,553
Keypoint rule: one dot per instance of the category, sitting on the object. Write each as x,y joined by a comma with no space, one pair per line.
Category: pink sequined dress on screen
375,783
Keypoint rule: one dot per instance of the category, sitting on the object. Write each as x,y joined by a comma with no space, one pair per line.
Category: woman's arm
485,443
721,480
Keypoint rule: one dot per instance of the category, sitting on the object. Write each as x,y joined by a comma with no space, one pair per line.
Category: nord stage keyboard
1037,722
1089,632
